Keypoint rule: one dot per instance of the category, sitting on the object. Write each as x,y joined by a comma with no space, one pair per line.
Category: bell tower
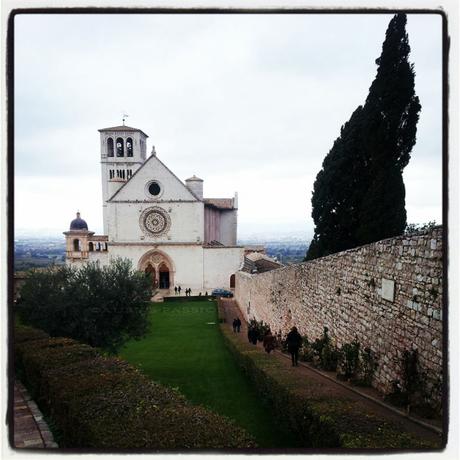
123,151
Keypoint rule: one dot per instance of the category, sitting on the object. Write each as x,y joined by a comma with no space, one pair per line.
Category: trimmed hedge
105,403
317,419
27,333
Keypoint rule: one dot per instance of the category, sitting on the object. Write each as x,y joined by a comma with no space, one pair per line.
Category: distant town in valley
41,250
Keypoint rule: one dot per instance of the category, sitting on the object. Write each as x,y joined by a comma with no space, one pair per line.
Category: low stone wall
387,295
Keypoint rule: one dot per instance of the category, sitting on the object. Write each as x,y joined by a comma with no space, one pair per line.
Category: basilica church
164,226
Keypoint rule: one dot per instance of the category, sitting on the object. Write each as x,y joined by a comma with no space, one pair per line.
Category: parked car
221,293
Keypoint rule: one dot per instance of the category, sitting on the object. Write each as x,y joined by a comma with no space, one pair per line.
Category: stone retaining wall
387,295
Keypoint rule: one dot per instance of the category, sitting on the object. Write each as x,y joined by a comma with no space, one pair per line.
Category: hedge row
98,402
316,418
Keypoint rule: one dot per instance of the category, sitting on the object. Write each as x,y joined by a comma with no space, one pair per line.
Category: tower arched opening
129,147
120,147
110,147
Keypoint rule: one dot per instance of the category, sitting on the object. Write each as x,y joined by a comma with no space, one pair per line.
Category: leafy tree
414,228
359,194
101,306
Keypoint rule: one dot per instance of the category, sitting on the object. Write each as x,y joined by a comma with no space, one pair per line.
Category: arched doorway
151,271
232,281
164,276
160,265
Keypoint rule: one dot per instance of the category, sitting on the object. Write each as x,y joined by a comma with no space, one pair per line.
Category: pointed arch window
110,147
120,147
129,147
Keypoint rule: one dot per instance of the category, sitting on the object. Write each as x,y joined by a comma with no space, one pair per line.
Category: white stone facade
161,224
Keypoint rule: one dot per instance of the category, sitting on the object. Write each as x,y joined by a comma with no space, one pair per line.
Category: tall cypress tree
337,193
391,115
359,194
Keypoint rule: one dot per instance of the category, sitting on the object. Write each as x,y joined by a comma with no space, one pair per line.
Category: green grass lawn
185,349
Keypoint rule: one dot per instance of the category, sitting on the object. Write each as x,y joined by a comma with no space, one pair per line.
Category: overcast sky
249,103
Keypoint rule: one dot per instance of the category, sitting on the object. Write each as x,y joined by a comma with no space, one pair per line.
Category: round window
154,189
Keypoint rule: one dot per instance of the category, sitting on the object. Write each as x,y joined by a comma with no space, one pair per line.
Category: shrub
366,367
101,306
329,357
260,327
349,360
103,402
324,352
416,391
306,352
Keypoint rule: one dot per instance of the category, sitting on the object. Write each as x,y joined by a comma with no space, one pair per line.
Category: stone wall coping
352,250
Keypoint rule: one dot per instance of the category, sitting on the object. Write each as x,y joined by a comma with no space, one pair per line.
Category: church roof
220,203
214,243
149,159
122,128
258,263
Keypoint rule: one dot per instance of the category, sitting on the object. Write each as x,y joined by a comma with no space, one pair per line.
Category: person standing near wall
238,324
269,341
294,342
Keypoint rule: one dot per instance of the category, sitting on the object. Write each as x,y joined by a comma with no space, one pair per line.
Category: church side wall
186,222
228,227
219,264
99,256
351,294
211,224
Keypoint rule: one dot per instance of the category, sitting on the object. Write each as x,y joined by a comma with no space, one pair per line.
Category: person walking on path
253,335
175,290
179,289
238,325
269,341
234,325
294,342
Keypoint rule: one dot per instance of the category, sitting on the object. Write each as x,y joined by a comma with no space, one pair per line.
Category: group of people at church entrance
236,325
188,291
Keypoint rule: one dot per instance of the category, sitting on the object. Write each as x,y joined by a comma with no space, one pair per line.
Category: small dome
78,223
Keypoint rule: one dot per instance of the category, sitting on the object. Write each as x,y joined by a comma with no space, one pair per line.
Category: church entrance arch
160,266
